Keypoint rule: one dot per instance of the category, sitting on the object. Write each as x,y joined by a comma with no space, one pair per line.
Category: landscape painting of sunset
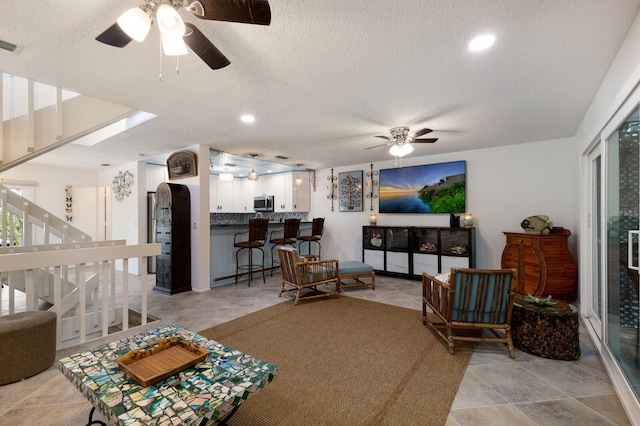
430,188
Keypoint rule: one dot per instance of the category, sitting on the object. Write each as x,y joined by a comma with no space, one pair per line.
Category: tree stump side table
546,331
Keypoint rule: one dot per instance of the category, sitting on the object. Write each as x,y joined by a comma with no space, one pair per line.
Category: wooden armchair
472,299
300,274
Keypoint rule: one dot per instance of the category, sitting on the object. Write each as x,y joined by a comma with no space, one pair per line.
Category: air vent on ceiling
282,157
10,47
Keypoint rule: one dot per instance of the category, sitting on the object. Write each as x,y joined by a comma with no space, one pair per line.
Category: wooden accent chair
300,274
472,299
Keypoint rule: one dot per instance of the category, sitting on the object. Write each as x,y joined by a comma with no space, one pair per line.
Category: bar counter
223,254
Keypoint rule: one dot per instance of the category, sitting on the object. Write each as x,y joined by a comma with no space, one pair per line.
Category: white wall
504,185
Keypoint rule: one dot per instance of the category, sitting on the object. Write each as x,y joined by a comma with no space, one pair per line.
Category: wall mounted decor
122,184
68,198
332,188
351,191
182,164
371,184
430,188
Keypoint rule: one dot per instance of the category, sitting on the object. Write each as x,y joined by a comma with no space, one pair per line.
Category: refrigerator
151,229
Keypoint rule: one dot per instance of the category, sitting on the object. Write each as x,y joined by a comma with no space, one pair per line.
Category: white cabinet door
213,194
220,195
425,263
301,192
243,192
276,187
287,206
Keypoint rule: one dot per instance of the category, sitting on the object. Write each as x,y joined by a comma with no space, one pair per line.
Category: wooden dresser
544,263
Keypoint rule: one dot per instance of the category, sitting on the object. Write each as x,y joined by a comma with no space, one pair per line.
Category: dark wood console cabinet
544,263
173,216
408,251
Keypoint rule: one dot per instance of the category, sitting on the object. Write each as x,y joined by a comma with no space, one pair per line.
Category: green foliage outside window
17,232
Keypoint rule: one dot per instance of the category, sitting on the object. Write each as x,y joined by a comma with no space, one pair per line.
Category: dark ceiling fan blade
114,36
426,140
378,146
420,132
202,47
384,137
242,11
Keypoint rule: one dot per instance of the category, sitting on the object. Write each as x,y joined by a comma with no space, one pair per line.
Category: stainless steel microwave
263,203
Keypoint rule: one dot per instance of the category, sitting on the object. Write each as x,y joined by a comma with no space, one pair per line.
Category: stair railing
110,295
25,223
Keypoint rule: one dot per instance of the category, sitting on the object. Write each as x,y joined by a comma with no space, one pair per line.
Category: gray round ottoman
27,344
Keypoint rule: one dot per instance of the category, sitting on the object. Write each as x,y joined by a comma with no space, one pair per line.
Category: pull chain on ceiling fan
176,35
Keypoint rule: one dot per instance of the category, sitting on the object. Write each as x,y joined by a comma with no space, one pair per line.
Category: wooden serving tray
150,364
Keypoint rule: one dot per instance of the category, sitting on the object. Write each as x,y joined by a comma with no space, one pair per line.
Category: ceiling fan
401,141
134,24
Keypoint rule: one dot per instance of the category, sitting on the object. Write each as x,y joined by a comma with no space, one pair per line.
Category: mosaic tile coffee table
208,393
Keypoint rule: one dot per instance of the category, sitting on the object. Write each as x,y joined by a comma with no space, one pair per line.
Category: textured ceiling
327,76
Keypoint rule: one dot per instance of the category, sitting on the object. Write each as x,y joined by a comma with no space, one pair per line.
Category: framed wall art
350,184
182,164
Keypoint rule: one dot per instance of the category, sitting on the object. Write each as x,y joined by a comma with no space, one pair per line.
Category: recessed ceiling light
247,118
482,42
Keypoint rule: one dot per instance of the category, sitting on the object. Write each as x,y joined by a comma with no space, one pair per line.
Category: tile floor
495,390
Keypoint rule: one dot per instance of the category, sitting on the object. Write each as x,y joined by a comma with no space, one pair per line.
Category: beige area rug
346,361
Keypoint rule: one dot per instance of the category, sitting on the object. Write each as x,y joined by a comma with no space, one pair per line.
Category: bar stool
317,228
257,235
289,235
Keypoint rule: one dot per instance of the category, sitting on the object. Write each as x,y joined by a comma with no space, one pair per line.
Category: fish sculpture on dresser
538,224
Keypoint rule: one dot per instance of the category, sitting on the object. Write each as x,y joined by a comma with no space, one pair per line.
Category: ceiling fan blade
202,47
378,146
426,140
114,36
419,133
384,137
242,11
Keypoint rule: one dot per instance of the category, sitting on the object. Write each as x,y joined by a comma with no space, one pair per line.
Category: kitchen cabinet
410,251
220,195
290,191
544,263
301,191
243,192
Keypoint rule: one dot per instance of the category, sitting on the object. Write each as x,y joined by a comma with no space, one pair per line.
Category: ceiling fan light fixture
173,46
169,21
400,150
196,8
136,23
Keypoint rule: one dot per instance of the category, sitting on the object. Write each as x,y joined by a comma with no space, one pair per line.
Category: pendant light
253,175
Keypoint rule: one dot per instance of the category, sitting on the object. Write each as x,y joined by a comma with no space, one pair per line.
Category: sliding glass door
622,247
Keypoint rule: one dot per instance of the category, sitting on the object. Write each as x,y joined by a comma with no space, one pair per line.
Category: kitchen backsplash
243,218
